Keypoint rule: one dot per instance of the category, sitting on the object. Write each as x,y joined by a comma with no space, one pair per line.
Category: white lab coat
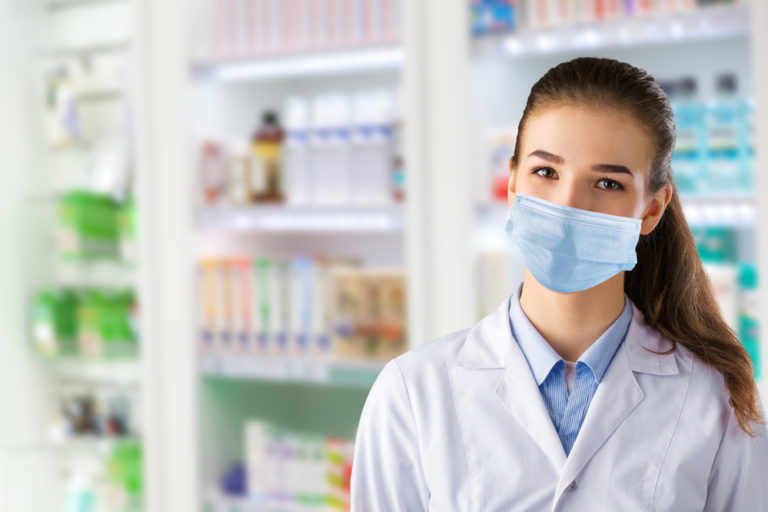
458,424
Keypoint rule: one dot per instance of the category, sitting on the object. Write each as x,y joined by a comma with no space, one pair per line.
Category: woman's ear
655,209
511,186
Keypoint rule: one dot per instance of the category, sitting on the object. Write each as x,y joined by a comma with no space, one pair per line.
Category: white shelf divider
289,219
123,371
217,502
284,369
301,65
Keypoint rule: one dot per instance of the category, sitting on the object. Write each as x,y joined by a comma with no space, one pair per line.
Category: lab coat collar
490,344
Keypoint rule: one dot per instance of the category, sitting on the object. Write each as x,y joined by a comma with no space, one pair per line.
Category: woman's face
595,159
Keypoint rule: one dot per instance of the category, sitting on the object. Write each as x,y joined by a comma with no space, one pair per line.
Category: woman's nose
572,194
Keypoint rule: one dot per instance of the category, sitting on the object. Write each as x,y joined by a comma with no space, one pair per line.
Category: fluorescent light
513,46
545,43
676,30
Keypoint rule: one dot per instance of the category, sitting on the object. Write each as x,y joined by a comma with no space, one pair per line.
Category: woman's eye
607,184
545,172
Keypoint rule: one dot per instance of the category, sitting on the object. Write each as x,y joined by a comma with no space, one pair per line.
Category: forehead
586,135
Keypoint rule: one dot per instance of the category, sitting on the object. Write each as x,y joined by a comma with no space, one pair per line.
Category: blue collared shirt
567,412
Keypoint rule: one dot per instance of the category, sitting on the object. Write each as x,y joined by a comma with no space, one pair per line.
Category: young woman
608,380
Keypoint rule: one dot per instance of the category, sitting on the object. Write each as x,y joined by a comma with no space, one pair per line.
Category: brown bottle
267,144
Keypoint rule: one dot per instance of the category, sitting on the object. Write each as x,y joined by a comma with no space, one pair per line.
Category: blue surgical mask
568,249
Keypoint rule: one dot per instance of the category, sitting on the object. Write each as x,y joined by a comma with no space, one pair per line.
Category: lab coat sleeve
739,476
387,472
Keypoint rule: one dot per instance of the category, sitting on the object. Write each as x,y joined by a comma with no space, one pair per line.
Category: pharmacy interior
226,216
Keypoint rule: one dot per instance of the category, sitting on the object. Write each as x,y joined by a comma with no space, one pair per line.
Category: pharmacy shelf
300,65
220,503
98,95
730,211
90,443
60,5
95,273
85,50
325,219
277,369
712,22
110,372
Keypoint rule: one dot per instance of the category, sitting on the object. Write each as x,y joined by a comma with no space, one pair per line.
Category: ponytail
672,289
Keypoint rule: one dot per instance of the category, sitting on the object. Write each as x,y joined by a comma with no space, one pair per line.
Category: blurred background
221,218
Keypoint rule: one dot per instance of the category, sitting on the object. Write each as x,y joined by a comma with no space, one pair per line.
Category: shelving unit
203,400
38,457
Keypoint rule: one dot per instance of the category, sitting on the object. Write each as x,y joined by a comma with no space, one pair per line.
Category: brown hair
669,284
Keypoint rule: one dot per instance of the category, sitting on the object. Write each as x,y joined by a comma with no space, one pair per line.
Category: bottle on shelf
296,468
726,140
267,145
261,312
398,150
112,484
87,226
547,13
297,178
748,135
62,117
501,146
91,323
213,173
106,324
127,221
370,148
306,308
492,16
277,27
336,149
54,322
689,157
329,149
240,189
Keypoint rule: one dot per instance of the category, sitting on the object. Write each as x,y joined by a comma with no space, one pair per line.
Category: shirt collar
542,357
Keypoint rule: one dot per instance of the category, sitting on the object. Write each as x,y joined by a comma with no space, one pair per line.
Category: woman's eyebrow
611,168
556,159
545,155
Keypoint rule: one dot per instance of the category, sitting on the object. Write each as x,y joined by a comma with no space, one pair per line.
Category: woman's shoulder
419,372
703,380
431,355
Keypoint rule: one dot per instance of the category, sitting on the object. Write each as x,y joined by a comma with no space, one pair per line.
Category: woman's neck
571,322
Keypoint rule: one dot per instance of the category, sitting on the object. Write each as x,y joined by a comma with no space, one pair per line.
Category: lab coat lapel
619,393
616,397
490,344
520,395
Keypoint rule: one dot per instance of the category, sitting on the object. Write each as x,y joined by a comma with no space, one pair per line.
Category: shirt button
573,485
